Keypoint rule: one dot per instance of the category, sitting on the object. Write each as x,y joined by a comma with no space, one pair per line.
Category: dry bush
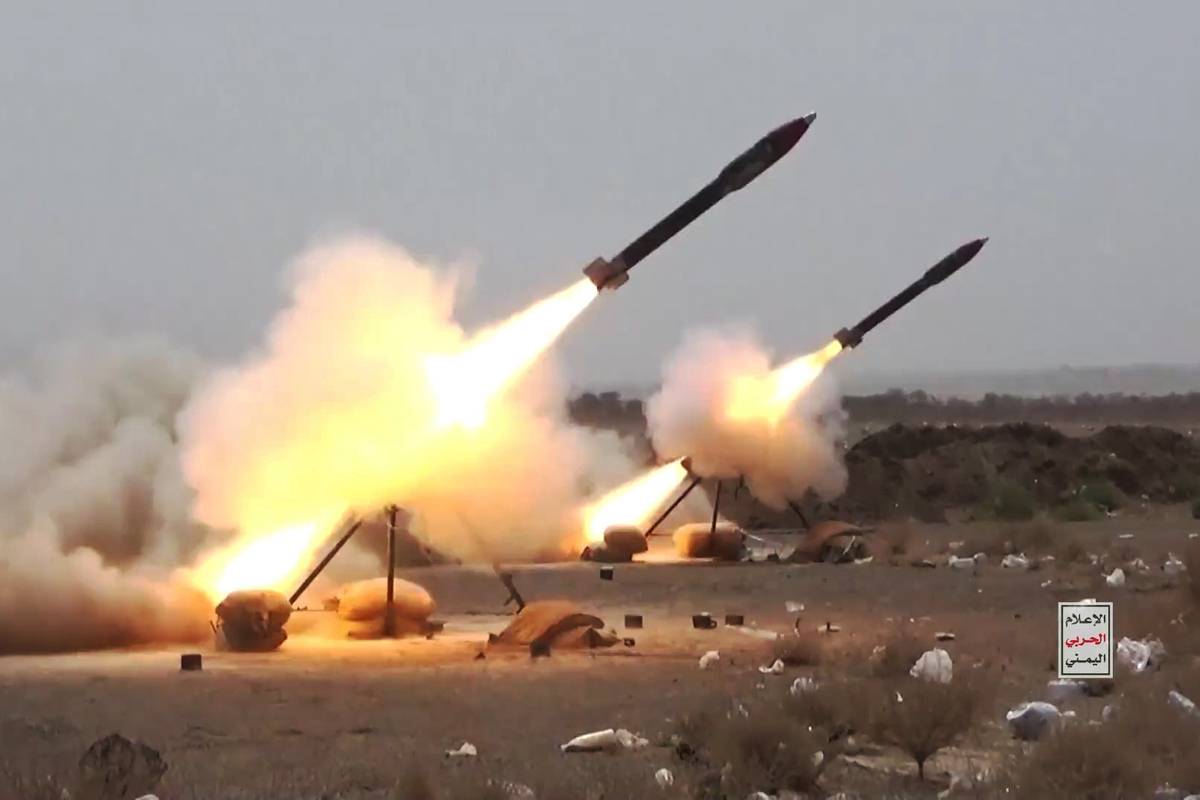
837,708
767,752
798,649
1038,536
921,717
898,655
1123,552
1085,762
1070,551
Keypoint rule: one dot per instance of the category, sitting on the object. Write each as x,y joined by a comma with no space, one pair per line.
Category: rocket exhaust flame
269,561
465,382
769,399
634,502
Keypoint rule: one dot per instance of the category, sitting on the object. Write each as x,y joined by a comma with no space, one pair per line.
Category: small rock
1046,584
664,778
709,659
1181,702
1109,713
117,767
1030,721
802,685
1173,565
1116,579
465,750
774,669
1060,692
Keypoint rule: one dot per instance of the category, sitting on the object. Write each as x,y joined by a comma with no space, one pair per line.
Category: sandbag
625,538
698,540
253,619
363,601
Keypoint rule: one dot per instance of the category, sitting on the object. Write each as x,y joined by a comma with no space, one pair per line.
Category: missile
611,273
850,337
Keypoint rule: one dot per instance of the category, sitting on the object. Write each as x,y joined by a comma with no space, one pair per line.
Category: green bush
1008,502
1078,510
1102,494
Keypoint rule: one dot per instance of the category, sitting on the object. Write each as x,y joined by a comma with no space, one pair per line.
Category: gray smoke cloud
689,416
94,512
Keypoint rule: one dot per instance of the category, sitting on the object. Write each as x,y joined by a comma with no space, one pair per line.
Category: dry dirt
330,718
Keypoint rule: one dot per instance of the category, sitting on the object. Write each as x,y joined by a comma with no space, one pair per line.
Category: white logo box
1085,640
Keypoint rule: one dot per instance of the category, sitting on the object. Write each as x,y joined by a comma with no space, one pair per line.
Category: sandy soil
326,717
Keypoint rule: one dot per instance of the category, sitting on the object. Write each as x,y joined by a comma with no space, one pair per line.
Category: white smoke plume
689,416
336,412
93,508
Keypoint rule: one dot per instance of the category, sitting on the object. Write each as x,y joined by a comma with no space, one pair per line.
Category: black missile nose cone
972,248
786,135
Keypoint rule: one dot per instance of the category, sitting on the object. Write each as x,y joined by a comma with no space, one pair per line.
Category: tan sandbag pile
557,624
253,620
626,538
365,601
699,540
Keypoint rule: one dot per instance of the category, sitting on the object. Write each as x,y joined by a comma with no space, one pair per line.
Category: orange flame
769,399
634,502
464,383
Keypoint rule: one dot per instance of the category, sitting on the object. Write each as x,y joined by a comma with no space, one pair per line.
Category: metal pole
794,507
333,551
670,508
712,529
389,614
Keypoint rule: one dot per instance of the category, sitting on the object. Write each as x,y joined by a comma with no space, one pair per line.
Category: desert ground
326,717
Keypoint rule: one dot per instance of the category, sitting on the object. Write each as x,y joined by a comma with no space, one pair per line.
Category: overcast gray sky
161,165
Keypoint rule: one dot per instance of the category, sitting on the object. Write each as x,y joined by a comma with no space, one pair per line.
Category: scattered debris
1173,565
709,658
1018,561
605,741
606,573
829,627
757,633
114,768
802,685
925,563
633,620
933,665
1138,565
703,622
1182,702
944,636
1030,721
1125,536
465,750
955,562
1116,579
1046,584
664,778
1059,692
1140,656
191,662
793,607
774,669
734,620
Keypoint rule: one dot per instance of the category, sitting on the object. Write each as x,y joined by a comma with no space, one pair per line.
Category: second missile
611,273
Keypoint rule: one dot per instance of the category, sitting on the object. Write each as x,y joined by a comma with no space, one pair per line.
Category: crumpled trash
1138,565
1182,702
709,658
1173,565
1064,691
664,778
757,633
793,607
1116,578
605,741
1018,561
802,685
774,669
975,561
933,665
1030,721
1140,656
944,636
465,750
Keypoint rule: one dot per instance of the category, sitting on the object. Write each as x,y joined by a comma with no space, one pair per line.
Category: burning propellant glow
463,383
634,502
769,399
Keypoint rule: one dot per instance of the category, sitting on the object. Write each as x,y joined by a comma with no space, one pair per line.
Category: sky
162,164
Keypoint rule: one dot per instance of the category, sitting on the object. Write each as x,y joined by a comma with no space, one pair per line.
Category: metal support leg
662,517
389,614
712,529
333,551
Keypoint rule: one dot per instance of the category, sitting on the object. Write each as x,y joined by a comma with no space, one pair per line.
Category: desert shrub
1078,510
1070,551
835,707
898,655
921,717
1085,762
798,649
1008,502
1102,494
767,752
